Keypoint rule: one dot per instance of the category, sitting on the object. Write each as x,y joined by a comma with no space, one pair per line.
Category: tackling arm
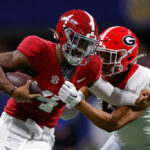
109,122
104,120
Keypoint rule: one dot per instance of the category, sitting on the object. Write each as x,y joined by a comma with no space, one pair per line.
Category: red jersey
42,55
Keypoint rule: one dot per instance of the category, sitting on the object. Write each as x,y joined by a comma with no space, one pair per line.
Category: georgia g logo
129,40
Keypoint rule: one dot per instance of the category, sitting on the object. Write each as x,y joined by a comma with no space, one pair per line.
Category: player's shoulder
33,41
36,39
32,38
143,68
141,72
139,79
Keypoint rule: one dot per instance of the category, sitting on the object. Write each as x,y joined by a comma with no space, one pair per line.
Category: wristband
12,91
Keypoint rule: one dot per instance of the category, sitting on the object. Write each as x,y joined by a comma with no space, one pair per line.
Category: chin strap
139,56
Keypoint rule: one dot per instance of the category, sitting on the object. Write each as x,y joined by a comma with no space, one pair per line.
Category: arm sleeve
113,95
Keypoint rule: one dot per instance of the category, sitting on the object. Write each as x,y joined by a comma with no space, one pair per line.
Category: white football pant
16,134
113,143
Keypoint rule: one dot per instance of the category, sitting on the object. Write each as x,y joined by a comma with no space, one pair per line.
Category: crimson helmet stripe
91,22
105,33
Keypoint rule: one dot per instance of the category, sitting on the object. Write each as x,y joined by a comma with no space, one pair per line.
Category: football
19,79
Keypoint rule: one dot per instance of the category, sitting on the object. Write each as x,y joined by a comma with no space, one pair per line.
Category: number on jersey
48,103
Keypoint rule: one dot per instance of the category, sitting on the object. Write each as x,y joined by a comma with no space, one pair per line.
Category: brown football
19,79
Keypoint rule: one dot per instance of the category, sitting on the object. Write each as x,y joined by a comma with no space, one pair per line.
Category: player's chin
106,68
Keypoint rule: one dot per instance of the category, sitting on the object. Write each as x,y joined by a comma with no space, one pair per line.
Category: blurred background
20,18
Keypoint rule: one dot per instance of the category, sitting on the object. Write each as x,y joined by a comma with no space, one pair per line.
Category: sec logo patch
55,79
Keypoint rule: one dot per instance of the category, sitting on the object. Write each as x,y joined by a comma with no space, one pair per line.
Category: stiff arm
109,122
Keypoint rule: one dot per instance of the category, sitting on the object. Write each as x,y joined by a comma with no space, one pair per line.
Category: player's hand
68,94
144,99
22,95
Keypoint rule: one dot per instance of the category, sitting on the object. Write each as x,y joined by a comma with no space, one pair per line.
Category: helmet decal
66,19
129,40
91,23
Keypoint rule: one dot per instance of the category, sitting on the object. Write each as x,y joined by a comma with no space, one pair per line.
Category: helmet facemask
112,60
78,48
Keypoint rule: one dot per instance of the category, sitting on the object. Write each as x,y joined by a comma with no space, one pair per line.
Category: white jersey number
48,103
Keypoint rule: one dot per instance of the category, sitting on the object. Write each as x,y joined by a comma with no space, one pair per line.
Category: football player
118,48
120,45
28,124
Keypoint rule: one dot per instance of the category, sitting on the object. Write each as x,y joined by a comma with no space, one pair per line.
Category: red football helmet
118,47
77,33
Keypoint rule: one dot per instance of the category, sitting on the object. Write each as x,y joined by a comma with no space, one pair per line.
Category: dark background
25,17
20,18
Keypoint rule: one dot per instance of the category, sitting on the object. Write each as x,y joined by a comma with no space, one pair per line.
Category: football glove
69,95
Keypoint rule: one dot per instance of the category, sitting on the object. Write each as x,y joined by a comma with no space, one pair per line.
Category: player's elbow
109,126
109,130
116,125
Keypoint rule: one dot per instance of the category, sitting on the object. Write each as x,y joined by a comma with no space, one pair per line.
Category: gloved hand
69,95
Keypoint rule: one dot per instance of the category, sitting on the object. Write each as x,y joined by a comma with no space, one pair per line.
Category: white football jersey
137,133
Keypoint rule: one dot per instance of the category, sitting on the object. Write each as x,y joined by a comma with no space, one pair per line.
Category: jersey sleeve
99,70
96,67
34,49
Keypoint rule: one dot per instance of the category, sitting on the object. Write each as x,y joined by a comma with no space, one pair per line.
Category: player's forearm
109,122
7,63
10,61
100,118
5,85
123,115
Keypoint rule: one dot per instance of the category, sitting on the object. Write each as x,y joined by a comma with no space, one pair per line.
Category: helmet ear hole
60,34
130,58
